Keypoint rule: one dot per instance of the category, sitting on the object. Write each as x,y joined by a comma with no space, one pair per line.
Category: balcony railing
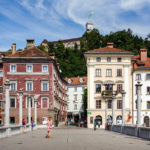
109,93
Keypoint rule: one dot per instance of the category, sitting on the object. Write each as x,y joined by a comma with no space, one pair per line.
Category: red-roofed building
76,86
38,75
141,73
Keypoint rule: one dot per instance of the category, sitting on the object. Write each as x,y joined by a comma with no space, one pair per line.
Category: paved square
73,139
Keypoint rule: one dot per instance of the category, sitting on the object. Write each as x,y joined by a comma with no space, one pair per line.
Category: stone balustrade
13,130
141,132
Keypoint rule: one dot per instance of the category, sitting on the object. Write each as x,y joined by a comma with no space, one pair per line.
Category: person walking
24,125
32,124
49,128
95,123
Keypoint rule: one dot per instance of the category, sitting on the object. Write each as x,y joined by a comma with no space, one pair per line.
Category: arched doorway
119,119
109,119
99,118
146,121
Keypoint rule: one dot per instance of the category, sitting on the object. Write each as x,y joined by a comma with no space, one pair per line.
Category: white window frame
137,75
43,69
27,67
1,73
42,102
27,102
13,82
42,86
15,68
27,83
108,74
15,102
98,72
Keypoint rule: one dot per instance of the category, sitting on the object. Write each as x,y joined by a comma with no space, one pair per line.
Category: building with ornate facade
37,74
109,71
76,86
141,73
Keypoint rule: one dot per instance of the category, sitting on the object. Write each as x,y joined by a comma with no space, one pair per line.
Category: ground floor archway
147,121
99,119
119,119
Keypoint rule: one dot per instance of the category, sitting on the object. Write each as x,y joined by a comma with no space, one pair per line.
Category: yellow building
109,72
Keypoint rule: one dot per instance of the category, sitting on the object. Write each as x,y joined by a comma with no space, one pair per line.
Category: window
1,89
108,72
75,97
98,72
138,76
108,59
44,68
29,68
12,102
29,86
13,86
119,104
98,104
119,72
1,73
109,104
75,89
45,86
119,88
12,68
98,59
148,77
98,88
44,102
108,87
91,120
75,106
119,59
148,90
12,120
148,104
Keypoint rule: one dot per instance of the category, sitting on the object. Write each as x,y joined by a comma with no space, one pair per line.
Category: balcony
109,93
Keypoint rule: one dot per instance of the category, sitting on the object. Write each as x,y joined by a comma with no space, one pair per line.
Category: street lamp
123,106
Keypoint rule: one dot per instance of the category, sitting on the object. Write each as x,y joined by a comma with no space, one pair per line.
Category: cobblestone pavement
73,138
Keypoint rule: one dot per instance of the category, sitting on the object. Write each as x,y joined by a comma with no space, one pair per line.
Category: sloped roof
30,52
109,50
76,80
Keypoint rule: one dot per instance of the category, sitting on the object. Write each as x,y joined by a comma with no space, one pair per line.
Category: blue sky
63,19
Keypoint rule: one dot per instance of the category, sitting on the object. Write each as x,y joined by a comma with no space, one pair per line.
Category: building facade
37,75
76,86
109,72
142,74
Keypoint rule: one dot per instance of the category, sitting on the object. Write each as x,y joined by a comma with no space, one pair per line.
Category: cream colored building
109,71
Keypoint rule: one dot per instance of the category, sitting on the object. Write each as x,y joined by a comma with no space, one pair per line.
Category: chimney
52,55
110,45
143,54
30,43
13,48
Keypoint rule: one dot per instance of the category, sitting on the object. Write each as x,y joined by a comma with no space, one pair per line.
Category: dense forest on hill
72,62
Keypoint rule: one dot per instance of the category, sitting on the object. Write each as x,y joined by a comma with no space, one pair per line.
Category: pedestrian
24,125
32,124
49,128
99,123
95,123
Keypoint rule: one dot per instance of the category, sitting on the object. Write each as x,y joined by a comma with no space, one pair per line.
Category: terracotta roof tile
76,80
30,52
109,50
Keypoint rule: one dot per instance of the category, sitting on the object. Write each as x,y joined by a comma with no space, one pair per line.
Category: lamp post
7,103
123,106
106,110
138,86
20,106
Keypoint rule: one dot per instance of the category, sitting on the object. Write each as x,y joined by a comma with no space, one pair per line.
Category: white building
142,74
76,86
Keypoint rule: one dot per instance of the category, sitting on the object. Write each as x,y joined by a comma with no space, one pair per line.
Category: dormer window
69,81
98,59
81,80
